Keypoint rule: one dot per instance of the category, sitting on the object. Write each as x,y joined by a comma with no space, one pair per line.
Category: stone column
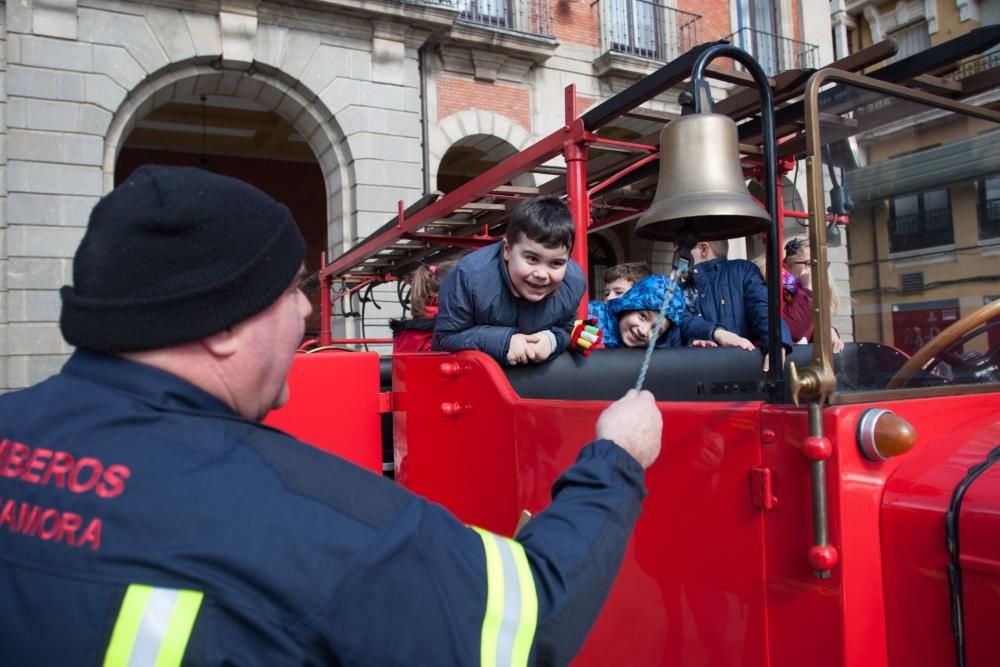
4,383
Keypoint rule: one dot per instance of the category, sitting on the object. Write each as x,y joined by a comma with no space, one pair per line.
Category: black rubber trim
951,539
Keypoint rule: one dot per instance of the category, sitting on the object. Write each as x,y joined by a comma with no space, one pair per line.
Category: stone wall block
204,33
299,51
38,241
44,84
35,338
170,30
238,32
104,92
249,88
385,62
361,65
401,149
290,109
352,120
361,146
33,209
397,123
229,81
271,96
184,87
383,198
56,18
84,150
387,96
133,33
38,272
118,64
40,177
34,306
16,112
413,102
94,120
341,93
25,371
93,26
307,124
270,44
54,54
327,64
18,16
57,116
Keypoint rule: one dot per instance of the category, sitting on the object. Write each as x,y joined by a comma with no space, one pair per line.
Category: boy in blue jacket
515,300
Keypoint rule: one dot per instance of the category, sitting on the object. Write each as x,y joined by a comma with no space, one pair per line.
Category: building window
989,208
495,13
910,40
920,221
635,28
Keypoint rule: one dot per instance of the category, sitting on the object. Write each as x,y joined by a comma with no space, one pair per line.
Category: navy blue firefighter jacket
141,519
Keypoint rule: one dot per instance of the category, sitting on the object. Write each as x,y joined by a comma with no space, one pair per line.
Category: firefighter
148,517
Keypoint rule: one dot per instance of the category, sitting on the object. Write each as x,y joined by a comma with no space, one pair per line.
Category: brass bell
701,183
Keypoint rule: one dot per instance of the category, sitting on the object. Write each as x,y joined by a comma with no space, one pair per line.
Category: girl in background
414,335
796,290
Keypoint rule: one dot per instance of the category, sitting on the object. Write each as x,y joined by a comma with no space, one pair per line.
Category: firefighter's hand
517,351
729,339
635,424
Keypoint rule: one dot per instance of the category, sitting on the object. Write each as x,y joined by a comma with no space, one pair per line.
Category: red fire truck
841,509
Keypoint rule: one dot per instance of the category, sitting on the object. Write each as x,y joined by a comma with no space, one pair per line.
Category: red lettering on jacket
49,524
36,462
113,481
70,524
76,485
59,466
17,454
91,534
8,513
27,520
41,466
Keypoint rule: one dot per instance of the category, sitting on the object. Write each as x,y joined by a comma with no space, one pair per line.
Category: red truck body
723,567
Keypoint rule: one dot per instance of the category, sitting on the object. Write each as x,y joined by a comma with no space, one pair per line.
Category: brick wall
577,22
455,95
714,17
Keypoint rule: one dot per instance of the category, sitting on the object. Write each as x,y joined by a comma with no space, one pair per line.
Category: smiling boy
628,321
515,300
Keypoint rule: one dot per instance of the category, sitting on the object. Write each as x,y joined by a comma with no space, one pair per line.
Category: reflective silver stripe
511,604
153,627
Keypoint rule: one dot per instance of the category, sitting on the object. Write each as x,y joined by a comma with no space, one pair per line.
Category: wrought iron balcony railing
921,230
528,16
647,29
775,53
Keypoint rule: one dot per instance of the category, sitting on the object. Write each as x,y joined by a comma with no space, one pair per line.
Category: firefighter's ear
221,344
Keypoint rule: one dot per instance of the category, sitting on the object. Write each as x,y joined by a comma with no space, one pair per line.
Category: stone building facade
382,100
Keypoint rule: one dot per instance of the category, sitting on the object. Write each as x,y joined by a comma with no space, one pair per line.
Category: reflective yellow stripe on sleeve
153,627
511,604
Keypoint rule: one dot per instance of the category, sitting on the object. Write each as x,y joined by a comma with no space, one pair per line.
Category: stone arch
458,126
302,109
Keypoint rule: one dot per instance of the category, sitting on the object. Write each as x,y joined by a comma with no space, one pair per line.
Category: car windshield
912,198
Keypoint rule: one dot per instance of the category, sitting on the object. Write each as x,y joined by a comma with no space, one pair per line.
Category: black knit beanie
175,254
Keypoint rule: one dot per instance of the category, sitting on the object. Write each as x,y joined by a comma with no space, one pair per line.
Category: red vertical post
325,305
575,154
780,207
